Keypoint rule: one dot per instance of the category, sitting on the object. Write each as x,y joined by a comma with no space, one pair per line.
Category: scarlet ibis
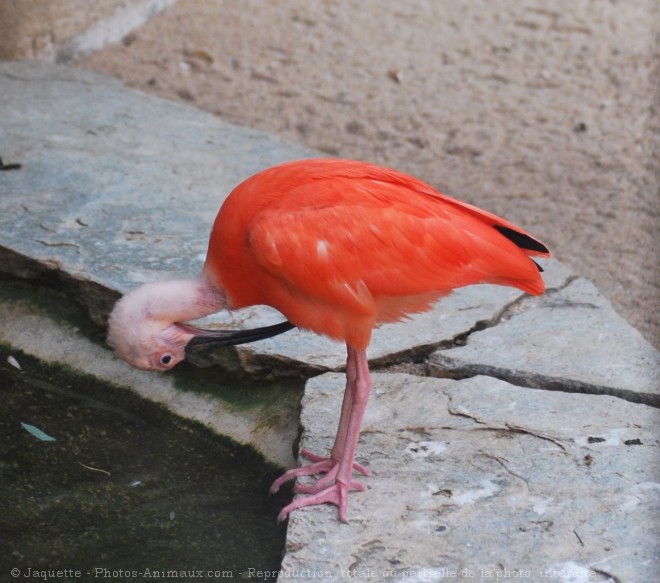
338,247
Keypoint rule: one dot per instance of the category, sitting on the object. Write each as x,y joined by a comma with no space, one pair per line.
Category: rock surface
570,339
477,477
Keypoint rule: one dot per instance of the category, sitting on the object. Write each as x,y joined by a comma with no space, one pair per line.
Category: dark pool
127,491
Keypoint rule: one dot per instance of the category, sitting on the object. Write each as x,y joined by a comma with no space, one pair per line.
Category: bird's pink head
145,327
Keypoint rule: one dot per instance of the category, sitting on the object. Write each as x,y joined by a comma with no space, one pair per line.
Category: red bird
338,247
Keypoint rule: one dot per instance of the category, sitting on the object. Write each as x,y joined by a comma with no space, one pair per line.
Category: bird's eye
165,359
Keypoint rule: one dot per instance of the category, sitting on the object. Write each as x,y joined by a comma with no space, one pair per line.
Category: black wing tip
522,240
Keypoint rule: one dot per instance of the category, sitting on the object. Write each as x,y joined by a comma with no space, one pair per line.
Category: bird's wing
382,246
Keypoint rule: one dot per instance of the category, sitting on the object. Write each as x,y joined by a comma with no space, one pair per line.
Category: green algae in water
126,487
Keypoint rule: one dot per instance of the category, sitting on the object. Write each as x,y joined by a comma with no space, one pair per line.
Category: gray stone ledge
481,475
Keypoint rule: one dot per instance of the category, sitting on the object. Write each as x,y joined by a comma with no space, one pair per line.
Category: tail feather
523,240
515,234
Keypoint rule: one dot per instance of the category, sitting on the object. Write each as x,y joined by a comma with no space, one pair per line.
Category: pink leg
341,463
323,465
346,406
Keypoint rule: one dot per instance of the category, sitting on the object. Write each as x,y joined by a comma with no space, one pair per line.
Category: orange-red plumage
338,246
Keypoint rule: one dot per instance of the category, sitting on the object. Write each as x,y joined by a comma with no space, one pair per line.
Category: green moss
243,392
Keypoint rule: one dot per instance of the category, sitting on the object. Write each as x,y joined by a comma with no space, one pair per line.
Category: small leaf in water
37,432
11,360
95,469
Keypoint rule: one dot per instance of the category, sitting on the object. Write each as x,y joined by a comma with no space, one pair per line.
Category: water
126,491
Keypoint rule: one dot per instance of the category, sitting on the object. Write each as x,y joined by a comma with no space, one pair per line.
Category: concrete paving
479,480
472,473
569,339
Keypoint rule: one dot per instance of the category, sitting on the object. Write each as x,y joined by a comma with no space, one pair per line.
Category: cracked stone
480,474
569,339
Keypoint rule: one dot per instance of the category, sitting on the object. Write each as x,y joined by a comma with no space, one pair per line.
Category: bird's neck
185,299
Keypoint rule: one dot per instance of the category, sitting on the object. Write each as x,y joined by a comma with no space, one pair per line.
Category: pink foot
323,491
320,465
333,487
312,457
324,482
336,494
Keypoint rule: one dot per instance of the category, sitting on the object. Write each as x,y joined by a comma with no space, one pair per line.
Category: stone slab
571,339
450,317
477,477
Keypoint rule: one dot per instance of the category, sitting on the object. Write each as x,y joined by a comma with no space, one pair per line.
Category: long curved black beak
206,340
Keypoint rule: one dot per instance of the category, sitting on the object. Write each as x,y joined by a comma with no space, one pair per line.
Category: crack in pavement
444,367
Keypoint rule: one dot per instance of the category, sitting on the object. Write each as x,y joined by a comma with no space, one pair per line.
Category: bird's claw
322,484
336,494
319,465
323,491
312,457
